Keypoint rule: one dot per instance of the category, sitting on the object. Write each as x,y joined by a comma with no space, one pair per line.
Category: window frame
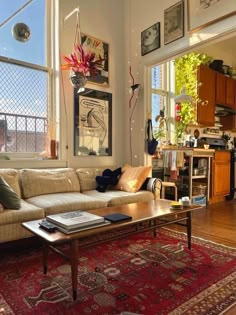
52,65
168,91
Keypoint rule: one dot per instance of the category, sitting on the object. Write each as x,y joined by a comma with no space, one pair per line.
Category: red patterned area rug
135,275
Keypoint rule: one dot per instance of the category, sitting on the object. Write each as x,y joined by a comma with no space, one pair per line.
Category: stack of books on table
76,221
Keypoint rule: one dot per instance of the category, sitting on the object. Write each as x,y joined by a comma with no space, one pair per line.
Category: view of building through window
24,76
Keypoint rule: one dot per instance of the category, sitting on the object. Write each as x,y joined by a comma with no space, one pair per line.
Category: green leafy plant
159,131
186,77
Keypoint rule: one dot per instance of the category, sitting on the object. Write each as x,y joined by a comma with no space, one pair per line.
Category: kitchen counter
191,151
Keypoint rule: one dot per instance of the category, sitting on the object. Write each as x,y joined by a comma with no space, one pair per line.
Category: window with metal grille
24,78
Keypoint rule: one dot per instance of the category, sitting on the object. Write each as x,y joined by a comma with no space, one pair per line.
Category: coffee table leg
155,232
189,229
74,266
45,257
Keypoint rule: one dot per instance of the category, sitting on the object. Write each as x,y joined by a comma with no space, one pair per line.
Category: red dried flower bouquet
82,61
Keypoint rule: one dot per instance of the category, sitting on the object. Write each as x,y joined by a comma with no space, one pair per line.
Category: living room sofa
48,191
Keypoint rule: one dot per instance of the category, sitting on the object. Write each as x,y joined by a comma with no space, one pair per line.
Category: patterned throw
133,275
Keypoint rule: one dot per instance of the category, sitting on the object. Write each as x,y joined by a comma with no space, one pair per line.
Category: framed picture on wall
174,22
92,123
204,13
101,49
150,39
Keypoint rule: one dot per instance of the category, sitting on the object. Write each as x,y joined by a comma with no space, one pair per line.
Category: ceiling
223,49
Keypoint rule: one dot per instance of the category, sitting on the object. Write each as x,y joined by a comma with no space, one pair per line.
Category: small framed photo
174,22
150,39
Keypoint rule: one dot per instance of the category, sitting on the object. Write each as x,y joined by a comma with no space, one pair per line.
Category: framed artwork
101,49
92,123
150,39
202,13
174,22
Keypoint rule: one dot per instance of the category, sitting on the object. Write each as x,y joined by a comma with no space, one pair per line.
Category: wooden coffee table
145,216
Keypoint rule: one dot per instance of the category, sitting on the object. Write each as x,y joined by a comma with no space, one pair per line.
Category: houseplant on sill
82,64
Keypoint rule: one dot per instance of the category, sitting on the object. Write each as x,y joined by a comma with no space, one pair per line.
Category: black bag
151,141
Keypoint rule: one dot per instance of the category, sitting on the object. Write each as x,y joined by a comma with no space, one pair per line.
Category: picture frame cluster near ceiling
174,22
150,39
206,12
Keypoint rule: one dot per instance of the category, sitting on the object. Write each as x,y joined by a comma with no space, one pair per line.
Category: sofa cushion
8,197
133,178
87,176
64,202
118,197
48,181
27,212
11,176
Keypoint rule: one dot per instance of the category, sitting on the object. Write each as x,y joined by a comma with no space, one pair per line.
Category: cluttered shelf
189,169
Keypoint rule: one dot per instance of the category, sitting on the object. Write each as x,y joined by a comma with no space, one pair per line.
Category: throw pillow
108,178
8,197
133,178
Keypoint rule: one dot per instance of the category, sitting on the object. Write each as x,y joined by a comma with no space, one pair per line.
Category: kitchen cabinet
225,90
215,88
230,92
206,93
220,174
229,122
220,89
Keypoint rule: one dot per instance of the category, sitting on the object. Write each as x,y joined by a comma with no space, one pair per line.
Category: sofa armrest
154,185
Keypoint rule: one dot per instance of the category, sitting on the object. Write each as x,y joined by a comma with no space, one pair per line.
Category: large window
162,101
24,76
159,95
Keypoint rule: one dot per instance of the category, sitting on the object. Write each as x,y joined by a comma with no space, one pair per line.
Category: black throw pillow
8,197
108,178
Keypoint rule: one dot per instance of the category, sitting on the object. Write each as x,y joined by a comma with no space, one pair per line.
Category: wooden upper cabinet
229,122
230,92
206,92
220,88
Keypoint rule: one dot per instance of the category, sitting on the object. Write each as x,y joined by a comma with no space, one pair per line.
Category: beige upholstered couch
50,191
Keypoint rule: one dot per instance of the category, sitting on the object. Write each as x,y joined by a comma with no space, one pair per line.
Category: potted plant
82,64
186,77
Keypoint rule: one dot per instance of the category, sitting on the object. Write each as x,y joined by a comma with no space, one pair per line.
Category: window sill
31,163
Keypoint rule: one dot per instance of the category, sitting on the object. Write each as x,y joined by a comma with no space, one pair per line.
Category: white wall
120,23
103,19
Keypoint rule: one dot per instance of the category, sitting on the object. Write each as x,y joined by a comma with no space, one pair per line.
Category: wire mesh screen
23,108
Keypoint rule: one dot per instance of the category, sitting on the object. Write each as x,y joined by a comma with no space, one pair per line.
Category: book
74,219
117,217
84,228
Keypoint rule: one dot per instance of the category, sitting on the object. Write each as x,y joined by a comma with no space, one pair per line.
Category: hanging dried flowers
82,61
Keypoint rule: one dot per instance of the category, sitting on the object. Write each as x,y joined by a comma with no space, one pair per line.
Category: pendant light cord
77,29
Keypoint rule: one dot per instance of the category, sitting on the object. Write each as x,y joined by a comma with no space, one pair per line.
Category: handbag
151,141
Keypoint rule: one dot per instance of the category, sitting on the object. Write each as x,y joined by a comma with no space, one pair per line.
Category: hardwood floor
216,222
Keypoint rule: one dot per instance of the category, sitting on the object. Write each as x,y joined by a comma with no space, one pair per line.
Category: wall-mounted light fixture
134,87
